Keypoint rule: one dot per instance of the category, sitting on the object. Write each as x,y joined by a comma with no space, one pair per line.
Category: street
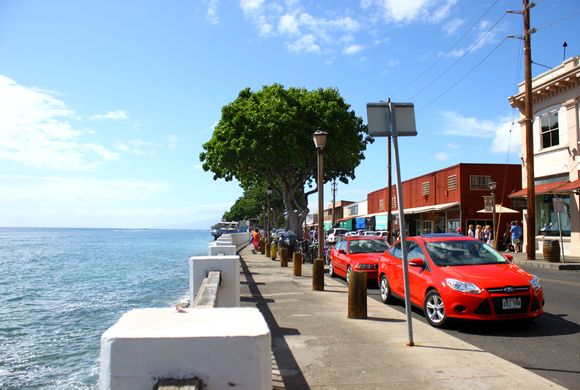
548,346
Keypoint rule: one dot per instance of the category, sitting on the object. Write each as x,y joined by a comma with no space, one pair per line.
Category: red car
358,253
453,276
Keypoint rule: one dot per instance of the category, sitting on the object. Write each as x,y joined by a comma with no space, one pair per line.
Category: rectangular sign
559,205
379,119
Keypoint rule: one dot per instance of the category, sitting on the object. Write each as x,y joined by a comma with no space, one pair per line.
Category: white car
334,234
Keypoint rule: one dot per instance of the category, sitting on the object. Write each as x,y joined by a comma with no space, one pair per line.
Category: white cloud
135,147
504,137
211,14
451,27
352,49
404,10
288,25
75,190
442,156
36,130
111,115
172,138
305,44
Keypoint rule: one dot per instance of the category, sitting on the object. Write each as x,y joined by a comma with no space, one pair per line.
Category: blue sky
104,105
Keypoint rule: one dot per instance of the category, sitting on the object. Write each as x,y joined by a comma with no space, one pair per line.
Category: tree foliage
266,137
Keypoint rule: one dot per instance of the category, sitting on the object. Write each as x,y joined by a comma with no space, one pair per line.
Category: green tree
266,136
252,204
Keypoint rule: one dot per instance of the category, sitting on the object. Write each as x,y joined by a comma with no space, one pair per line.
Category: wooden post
357,295
297,263
267,250
273,249
318,275
262,246
283,257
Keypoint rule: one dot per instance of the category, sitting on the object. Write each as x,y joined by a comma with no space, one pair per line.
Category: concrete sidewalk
571,264
315,345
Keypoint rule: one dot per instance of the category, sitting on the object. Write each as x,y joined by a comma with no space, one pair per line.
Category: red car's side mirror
418,262
342,251
510,258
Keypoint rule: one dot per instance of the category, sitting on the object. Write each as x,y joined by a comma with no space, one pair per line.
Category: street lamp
492,187
269,193
319,138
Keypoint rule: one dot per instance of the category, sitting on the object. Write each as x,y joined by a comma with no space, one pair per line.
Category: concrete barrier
199,266
224,348
217,248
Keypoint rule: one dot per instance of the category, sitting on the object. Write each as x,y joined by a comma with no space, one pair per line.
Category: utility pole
389,192
531,206
333,188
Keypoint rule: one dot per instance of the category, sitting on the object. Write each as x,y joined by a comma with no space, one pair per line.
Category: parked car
358,253
333,235
456,277
370,233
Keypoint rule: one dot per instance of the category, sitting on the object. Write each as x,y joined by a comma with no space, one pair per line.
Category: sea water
60,289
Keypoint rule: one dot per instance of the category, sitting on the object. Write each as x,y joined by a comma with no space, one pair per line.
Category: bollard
267,250
262,246
318,275
297,263
283,257
357,295
273,249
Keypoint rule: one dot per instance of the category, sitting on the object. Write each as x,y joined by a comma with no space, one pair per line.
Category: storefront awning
540,189
419,210
572,186
345,219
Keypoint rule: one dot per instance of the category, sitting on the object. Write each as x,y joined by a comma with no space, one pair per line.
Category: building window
452,182
426,227
381,204
479,182
425,188
353,210
549,129
549,217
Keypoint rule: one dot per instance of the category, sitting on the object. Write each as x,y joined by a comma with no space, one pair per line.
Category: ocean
60,289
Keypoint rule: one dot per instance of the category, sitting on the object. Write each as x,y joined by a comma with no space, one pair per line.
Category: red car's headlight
464,287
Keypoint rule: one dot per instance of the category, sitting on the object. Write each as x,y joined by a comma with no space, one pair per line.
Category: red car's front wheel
435,309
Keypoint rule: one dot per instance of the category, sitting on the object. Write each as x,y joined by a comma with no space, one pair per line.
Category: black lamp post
319,138
492,187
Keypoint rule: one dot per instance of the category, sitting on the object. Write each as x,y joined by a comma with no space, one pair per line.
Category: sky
105,105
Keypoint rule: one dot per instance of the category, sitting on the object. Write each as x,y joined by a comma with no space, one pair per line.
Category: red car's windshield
367,246
468,252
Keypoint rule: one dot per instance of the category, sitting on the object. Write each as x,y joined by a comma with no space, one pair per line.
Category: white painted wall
227,348
229,291
240,239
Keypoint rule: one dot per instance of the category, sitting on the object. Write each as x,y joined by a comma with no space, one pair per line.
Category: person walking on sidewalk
516,232
256,239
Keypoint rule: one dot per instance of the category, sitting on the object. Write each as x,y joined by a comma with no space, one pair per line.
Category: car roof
437,237
352,238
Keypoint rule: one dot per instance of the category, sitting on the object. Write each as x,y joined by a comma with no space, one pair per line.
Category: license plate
511,303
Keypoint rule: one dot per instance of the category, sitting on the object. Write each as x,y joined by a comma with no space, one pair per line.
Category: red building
453,197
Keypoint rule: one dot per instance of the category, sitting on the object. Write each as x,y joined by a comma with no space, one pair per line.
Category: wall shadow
285,361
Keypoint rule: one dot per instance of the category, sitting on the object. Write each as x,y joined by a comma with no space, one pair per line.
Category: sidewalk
572,263
315,345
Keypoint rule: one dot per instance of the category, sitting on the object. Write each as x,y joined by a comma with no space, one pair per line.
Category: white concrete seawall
224,347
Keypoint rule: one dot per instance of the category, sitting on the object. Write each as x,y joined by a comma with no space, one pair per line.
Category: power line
461,57
464,76
577,12
448,50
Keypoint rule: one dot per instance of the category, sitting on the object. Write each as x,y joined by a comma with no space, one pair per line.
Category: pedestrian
516,232
478,232
256,239
470,231
507,237
487,235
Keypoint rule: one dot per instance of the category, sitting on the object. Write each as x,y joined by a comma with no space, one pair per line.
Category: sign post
396,119
559,208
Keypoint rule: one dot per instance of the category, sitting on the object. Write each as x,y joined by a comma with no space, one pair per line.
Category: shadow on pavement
286,364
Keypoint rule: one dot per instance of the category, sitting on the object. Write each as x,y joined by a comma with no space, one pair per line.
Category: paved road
549,346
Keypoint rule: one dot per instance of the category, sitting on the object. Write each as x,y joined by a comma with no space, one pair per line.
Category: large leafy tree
252,204
266,136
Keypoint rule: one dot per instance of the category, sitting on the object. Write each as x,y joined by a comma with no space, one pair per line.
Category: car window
415,252
341,245
463,252
367,246
395,250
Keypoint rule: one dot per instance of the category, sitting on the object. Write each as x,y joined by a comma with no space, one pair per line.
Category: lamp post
269,193
319,138
492,187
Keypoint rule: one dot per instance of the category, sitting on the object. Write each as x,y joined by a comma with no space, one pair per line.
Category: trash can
551,251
